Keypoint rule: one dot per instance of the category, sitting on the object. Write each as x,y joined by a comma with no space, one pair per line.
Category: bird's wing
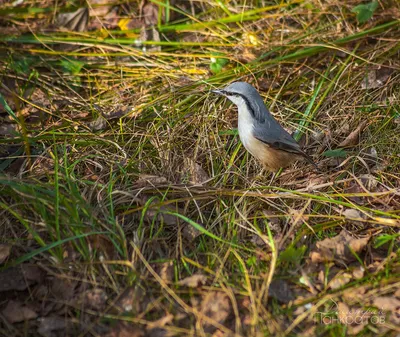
279,139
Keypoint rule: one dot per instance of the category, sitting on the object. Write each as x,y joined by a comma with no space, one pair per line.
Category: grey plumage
263,126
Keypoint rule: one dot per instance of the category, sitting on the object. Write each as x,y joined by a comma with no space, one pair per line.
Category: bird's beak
218,92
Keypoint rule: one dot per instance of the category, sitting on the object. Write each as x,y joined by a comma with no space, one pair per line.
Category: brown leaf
215,305
167,271
130,300
48,325
74,21
376,78
193,281
100,123
100,7
95,299
338,248
190,233
353,138
197,175
339,280
391,304
18,312
160,322
4,252
355,319
103,245
280,290
19,278
352,214
9,130
358,273
63,289
343,312
149,12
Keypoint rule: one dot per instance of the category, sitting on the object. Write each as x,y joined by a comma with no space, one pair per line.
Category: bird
259,131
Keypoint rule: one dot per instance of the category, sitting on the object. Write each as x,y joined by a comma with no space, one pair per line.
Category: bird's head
239,92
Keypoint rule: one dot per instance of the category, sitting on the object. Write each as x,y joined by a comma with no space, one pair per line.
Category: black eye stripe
247,102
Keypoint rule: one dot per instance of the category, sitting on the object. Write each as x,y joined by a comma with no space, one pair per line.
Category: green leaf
251,261
365,11
217,62
72,66
338,153
215,67
293,254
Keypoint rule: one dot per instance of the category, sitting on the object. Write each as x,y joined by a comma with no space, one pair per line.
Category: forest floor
129,207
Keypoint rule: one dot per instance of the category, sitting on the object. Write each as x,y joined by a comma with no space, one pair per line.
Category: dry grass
119,213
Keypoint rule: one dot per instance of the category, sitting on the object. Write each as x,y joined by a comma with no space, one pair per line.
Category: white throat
245,122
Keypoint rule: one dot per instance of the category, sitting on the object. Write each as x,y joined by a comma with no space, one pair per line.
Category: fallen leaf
95,299
190,233
376,78
100,123
9,130
358,273
16,312
74,21
352,214
338,248
355,319
343,312
103,245
63,289
215,305
160,322
339,280
19,278
100,7
149,12
48,325
131,300
197,175
354,294
353,138
4,252
166,271
281,291
193,281
390,304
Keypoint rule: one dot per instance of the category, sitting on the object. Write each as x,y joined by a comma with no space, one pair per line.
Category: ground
129,206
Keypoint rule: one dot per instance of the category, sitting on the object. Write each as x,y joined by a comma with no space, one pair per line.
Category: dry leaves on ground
20,278
193,281
16,311
339,248
215,305
4,252
353,138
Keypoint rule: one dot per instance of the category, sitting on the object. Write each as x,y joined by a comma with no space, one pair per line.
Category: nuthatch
259,131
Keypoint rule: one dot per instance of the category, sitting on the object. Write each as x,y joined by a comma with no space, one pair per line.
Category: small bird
259,131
